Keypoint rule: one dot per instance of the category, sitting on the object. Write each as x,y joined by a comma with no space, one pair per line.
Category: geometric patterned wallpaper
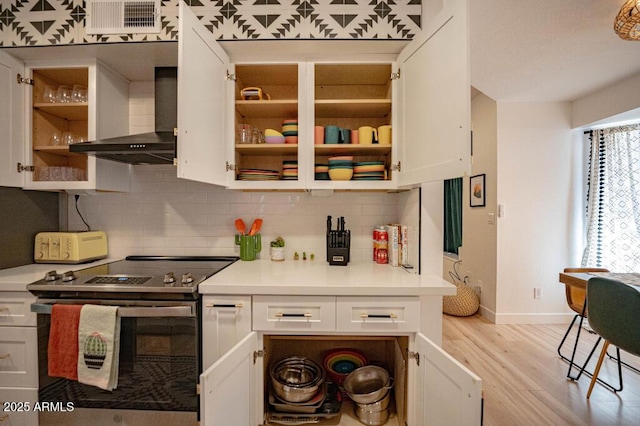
49,22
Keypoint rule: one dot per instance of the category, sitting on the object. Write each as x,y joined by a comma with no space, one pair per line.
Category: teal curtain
452,215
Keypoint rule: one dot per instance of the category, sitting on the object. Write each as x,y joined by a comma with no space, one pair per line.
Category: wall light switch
492,218
500,210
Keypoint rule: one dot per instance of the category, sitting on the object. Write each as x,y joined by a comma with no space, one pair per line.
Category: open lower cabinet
429,387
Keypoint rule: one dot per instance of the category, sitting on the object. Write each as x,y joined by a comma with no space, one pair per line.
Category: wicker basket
463,304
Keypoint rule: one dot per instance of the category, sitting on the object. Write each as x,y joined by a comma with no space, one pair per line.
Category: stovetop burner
155,275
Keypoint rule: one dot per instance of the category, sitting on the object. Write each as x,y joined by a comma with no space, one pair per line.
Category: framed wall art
477,194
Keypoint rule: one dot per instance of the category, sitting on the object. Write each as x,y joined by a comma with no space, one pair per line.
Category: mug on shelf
318,135
331,134
345,136
355,136
384,135
367,135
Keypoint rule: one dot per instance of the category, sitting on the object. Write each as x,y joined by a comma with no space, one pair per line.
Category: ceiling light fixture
627,23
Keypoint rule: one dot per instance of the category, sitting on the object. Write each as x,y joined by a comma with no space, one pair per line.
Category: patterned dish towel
99,346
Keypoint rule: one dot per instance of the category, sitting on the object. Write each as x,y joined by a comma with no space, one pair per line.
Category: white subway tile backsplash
164,215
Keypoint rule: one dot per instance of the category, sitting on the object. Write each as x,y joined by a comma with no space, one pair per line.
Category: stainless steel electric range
160,340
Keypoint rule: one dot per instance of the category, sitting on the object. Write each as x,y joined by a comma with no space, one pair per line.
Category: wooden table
579,279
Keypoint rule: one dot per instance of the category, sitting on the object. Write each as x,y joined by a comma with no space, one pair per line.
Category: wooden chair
576,299
614,313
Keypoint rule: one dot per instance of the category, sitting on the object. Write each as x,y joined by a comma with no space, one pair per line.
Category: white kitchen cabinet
225,321
421,91
18,414
430,386
35,152
18,359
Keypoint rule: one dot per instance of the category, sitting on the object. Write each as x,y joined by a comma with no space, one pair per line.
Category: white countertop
16,279
306,277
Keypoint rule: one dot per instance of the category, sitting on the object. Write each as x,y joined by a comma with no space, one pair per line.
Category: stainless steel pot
376,406
372,418
367,384
296,379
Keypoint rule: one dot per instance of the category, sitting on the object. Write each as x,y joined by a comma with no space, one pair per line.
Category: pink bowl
274,139
290,139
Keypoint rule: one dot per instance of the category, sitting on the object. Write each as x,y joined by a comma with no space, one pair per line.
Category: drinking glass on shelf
43,174
55,173
49,94
244,133
68,138
64,94
79,93
56,138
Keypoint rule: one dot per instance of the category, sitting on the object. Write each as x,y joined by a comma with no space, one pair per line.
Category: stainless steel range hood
157,147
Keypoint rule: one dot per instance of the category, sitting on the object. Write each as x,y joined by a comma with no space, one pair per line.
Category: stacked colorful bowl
290,130
290,170
341,168
322,172
368,170
340,362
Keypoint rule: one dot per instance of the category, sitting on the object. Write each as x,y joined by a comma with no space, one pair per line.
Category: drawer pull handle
4,309
286,315
5,356
365,315
224,305
3,418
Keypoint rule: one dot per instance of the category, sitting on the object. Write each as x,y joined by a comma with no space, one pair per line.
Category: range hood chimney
157,147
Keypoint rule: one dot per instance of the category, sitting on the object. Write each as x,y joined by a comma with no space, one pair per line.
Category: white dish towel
99,346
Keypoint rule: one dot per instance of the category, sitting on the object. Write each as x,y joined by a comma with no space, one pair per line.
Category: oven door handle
132,311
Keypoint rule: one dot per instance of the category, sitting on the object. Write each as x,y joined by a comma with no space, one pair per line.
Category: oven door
159,361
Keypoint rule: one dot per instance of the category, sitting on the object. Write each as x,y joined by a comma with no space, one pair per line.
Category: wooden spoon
240,226
255,227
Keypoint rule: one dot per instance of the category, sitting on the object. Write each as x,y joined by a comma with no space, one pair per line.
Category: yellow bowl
340,174
272,132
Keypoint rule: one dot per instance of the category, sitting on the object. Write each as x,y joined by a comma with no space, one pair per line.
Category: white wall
537,185
478,252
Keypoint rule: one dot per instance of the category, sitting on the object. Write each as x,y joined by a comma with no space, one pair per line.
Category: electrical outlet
478,287
537,293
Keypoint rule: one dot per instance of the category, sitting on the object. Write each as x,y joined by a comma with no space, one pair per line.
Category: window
613,199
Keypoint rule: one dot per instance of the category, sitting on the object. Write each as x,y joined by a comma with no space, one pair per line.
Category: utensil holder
250,246
338,247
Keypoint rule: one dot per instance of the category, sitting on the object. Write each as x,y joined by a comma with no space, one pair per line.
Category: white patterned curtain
613,200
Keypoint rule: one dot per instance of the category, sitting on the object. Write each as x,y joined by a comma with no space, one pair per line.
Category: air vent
123,16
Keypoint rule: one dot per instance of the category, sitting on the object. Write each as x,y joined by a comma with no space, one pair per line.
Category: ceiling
547,50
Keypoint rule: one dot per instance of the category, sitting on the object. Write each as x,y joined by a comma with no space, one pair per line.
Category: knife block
338,247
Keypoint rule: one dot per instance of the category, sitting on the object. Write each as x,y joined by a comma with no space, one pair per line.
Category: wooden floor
524,379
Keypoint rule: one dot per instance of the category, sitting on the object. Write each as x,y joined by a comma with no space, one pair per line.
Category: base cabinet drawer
18,407
15,309
378,314
294,313
19,357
